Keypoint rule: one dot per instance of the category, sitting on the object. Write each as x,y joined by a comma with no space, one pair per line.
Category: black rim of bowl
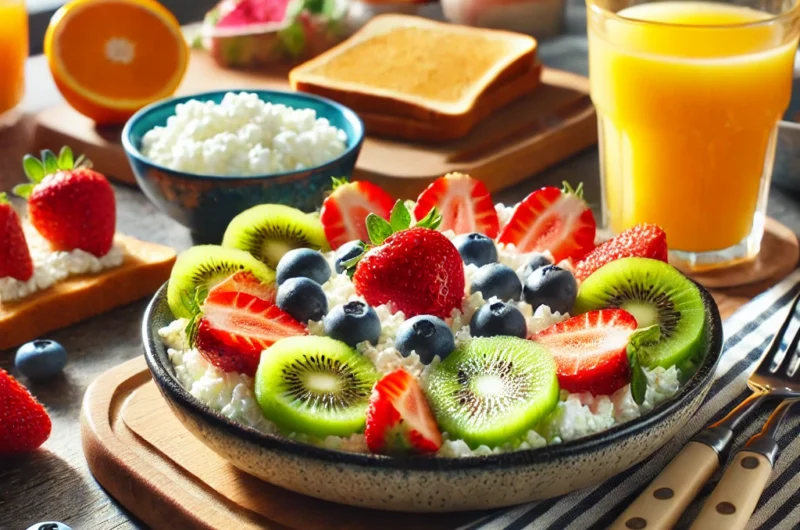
169,384
133,151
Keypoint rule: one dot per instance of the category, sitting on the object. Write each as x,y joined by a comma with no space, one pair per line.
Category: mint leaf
638,381
378,229
400,219
640,340
24,190
65,159
432,220
50,162
33,168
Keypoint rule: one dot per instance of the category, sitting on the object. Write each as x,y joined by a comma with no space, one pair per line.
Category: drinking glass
688,97
13,52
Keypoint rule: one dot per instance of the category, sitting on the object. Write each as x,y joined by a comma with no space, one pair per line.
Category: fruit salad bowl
205,201
430,484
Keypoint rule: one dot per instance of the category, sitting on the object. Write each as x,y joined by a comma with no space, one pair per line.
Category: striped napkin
747,334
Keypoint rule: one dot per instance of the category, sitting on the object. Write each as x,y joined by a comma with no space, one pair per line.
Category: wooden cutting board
554,122
144,457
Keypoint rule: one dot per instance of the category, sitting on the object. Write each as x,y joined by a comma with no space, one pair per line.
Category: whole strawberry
24,424
418,270
71,205
15,257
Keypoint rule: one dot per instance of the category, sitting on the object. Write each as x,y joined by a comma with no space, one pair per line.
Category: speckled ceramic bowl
206,203
429,484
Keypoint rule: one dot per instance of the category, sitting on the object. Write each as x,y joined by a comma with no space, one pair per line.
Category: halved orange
109,58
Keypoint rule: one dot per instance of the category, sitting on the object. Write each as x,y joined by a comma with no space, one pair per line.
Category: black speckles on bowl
429,484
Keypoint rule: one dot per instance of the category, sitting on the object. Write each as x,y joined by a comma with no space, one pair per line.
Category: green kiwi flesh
204,266
268,231
314,385
654,292
493,390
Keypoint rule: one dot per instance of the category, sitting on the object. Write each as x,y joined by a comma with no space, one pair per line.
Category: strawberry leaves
378,228
36,169
400,218
639,357
194,303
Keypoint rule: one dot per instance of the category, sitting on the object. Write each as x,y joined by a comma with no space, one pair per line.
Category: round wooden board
779,256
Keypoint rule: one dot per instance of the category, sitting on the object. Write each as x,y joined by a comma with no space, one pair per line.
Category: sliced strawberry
590,350
246,282
399,419
236,327
15,257
345,210
24,424
640,241
463,202
554,220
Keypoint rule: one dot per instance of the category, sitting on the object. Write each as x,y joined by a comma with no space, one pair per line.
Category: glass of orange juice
688,97
13,52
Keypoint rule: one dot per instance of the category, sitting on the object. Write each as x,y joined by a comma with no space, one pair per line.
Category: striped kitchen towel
747,334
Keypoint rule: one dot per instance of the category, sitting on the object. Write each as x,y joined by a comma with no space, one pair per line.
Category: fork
736,495
661,504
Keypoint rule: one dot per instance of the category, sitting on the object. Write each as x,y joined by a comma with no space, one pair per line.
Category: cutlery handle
660,505
736,496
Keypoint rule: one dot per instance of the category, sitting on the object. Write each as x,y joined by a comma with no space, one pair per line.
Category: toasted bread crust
364,98
146,267
449,129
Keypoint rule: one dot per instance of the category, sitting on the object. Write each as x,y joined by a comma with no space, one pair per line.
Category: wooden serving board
144,457
554,122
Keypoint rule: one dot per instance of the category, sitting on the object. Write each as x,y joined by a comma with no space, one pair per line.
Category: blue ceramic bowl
206,203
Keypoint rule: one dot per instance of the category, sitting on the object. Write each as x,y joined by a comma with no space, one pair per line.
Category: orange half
109,58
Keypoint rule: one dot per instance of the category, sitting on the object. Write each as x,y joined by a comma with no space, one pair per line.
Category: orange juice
13,52
687,111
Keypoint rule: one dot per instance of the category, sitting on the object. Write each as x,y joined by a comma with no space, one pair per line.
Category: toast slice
145,268
446,130
416,68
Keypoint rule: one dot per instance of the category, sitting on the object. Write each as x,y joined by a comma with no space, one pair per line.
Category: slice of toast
445,130
145,268
416,68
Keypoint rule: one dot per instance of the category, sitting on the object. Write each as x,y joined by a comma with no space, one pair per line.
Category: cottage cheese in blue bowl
207,157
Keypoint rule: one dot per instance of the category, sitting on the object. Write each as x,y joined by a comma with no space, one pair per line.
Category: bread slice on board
146,267
445,130
416,68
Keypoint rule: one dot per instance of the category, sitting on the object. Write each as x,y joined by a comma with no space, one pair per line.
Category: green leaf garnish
400,219
194,304
432,220
378,229
24,190
638,355
578,192
33,168
638,381
65,159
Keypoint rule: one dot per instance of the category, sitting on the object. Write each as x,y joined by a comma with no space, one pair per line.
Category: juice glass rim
788,14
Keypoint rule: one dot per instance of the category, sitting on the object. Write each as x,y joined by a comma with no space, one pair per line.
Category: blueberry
303,263
537,262
49,525
426,335
476,249
551,286
352,323
40,359
496,279
303,299
498,318
347,252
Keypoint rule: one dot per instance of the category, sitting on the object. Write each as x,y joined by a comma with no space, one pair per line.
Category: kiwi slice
205,266
269,231
493,390
654,292
314,385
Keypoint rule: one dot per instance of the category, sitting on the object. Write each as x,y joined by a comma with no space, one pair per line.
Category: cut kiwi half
314,385
269,231
204,266
493,390
654,292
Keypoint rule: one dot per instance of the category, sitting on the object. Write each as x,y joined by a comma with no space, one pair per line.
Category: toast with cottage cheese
417,69
145,267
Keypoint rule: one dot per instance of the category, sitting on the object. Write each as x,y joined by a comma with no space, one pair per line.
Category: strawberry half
399,419
235,327
640,241
590,350
463,202
24,424
345,210
246,282
552,219
15,256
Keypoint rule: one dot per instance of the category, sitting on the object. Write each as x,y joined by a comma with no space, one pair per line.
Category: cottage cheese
51,267
242,135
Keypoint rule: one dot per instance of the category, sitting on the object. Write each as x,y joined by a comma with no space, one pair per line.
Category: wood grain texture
520,140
